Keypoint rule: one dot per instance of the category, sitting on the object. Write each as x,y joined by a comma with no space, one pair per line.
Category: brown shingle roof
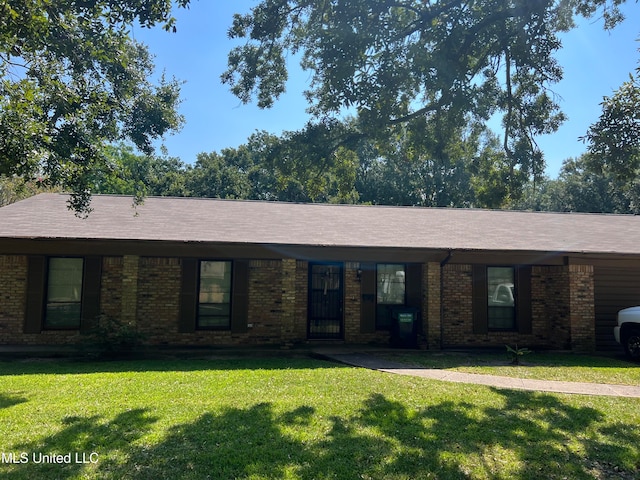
250,222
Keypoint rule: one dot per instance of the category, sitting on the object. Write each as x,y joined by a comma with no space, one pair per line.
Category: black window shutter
414,285
91,293
36,275
523,300
479,299
188,295
368,303
240,296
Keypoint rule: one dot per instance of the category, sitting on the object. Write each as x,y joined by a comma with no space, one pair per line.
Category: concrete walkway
376,363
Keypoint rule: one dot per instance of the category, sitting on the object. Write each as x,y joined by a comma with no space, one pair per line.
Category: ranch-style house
208,272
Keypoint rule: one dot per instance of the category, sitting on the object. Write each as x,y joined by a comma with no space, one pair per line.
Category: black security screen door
325,301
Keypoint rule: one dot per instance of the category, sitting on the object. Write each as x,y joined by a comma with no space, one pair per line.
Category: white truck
627,332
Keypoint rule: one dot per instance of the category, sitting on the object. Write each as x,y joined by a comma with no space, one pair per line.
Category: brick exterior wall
131,276
550,306
270,309
13,297
582,308
111,287
561,303
157,282
266,307
302,299
156,308
431,322
457,320
458,316
351,307
288,302
146,291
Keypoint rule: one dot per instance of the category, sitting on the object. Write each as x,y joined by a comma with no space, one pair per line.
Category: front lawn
298,418
535,365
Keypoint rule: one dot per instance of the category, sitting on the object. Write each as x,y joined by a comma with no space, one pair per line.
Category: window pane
215,282
65,280
390,284
64,293
501,297
212,309
214,299
63,315
213,322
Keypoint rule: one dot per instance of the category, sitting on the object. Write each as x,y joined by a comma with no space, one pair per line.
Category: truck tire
631,344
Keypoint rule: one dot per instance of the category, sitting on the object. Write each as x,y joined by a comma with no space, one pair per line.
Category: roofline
30,245
179,221
347,205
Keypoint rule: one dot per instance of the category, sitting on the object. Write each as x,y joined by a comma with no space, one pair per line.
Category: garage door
615,288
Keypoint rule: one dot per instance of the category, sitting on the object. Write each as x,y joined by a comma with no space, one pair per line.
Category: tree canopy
400,92
614,139
72,80
395,63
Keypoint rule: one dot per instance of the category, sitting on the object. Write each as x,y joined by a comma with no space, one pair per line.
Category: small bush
112,338
516,353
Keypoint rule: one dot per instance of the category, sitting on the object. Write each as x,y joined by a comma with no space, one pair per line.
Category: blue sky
595,64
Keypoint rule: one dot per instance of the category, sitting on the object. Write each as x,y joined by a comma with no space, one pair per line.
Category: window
501,298
390,284
214,297
390,292
64,293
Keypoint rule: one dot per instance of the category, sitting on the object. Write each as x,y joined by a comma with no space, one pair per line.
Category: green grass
301,418
535,365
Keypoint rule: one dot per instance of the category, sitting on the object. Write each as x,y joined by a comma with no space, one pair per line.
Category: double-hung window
501,299
214,297
64,293
501,313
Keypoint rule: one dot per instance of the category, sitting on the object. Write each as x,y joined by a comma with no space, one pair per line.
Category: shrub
112,338
516,353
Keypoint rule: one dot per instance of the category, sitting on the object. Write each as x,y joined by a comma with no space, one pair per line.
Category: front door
325,300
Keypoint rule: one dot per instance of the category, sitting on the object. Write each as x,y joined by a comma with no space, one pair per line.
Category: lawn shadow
9,400
235,443
256,442
520,435
536,433
80,441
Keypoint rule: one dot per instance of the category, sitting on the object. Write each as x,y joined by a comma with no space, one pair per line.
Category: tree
250,160
403,61
437,164
584,186
213,176
577,189
584,190
139,175
299,166
614,140
241,172
71,81
496,181
418,166
168,177
317,163
17,188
